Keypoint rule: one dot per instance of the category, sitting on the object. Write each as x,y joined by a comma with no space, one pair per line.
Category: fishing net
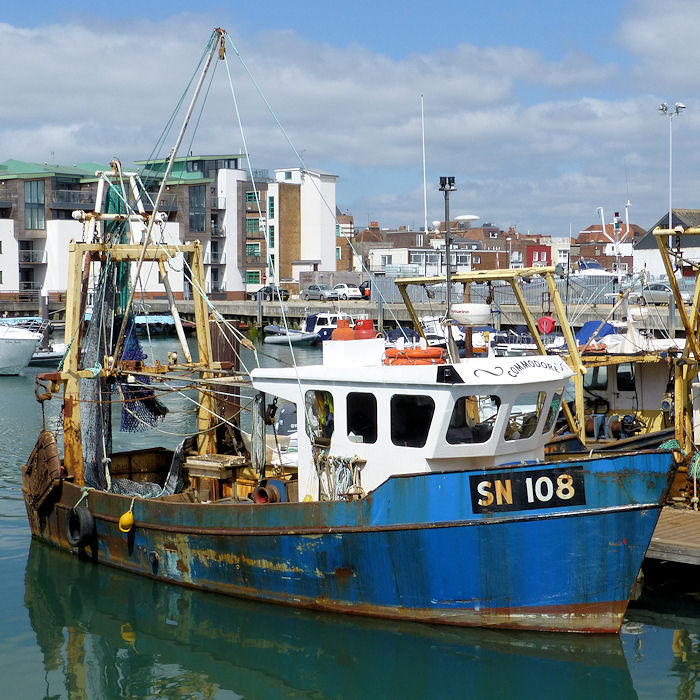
141,410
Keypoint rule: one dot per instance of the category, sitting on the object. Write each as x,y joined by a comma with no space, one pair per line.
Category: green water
69,629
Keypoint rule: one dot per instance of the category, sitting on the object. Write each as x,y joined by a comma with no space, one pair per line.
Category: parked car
365,290
270,292
347,291
322,292
657,293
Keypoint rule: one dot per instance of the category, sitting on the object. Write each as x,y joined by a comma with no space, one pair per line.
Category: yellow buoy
126,522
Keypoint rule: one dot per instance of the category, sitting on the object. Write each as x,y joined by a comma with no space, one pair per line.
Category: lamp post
447,185
670,113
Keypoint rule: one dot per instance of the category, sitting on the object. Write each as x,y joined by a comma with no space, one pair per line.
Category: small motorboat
17,345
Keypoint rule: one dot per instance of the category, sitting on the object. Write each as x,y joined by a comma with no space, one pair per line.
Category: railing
218,231
218,287
73,198
218,202
7,196
215,259
31,256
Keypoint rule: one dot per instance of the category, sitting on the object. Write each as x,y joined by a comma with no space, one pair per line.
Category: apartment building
255,230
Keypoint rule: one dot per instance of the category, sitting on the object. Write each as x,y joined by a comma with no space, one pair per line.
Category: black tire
268,297
642,301
344,297
307,297
80,527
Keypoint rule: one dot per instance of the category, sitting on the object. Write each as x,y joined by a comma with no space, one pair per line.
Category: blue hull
427,547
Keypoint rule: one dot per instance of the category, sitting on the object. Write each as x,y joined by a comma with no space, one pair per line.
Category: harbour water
69,629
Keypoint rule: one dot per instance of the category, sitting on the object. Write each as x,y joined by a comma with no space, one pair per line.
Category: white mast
425,191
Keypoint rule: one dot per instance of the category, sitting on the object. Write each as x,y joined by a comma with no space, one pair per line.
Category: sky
543,111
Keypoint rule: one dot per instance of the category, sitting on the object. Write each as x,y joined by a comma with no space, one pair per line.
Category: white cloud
532,142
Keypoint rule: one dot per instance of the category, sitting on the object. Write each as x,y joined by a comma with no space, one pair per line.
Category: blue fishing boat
416,487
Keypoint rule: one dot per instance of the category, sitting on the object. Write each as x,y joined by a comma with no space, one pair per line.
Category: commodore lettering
527,489
522,365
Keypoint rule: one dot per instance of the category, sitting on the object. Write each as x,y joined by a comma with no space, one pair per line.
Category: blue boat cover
589,328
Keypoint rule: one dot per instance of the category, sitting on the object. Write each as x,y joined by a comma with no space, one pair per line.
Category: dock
677,536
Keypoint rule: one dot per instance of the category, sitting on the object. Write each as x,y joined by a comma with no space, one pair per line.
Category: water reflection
104,633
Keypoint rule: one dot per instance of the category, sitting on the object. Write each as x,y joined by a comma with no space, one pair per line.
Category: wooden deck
676,537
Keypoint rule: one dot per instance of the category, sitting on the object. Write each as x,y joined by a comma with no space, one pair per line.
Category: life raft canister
415,356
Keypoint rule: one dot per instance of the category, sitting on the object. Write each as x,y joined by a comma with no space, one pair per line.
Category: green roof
21,169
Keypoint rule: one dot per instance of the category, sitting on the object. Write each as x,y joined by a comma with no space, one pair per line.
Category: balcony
218,202
217,288
31,257
218,231
73,199
215,259
7,198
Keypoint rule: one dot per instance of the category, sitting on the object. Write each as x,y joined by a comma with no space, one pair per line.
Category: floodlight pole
447,185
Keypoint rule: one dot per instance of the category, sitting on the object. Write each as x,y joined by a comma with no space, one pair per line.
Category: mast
215,44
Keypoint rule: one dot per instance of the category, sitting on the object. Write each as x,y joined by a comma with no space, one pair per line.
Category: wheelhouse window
625,377
410,419
596,378
34,211
553,412
197,208
319,414
361,417
525,415
472,419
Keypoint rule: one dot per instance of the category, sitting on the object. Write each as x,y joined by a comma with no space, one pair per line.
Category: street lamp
447,185
670,113
509,239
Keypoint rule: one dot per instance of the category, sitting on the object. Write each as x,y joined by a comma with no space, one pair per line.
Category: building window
386,260
198,208
415,258
476,259
287,174
0,276
252,276
419,239
535,256
194,166
0,247
252,249
34,212
338,253
271,237
252,197
271,206
252,225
